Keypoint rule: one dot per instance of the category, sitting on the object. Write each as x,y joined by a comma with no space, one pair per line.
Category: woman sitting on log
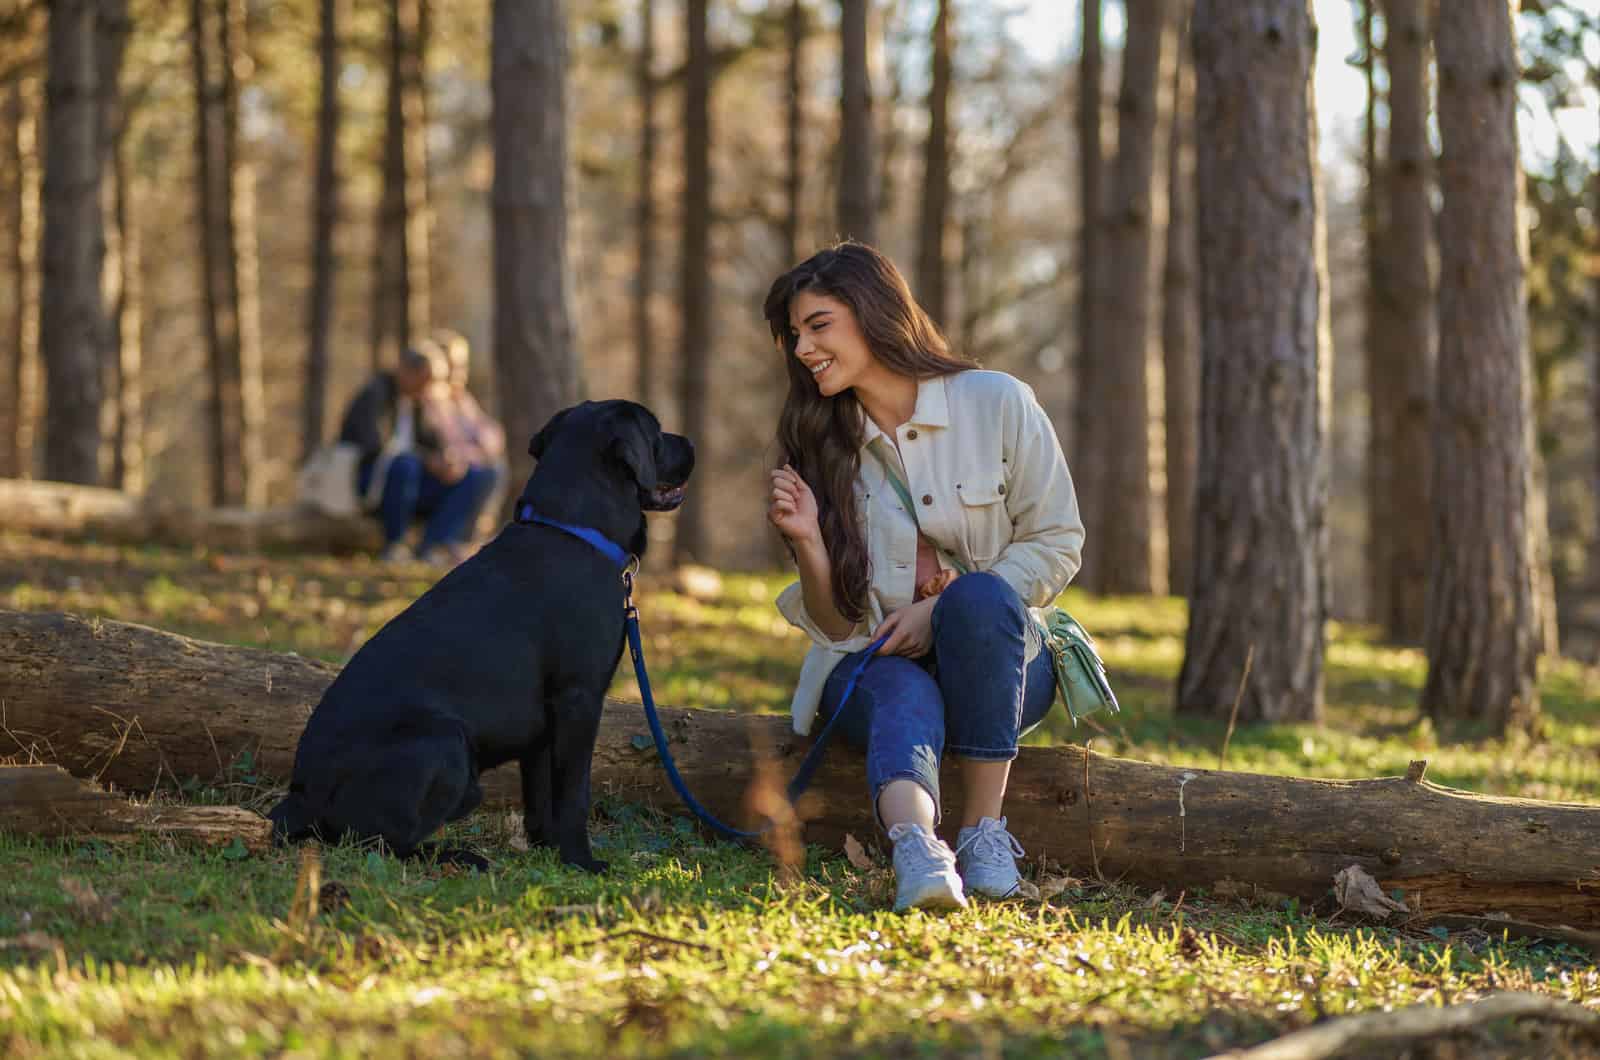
927,501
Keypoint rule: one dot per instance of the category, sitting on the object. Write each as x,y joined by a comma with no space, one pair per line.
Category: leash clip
627,581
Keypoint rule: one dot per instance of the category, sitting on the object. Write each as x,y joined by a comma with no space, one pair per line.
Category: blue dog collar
607,547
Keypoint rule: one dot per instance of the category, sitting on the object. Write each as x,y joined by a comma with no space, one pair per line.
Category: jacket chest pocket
986,524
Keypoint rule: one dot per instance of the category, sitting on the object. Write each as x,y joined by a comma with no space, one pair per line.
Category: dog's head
624,439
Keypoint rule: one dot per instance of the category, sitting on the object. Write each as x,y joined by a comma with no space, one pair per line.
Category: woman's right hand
794,507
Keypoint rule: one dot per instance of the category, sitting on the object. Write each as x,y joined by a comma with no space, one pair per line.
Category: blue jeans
987,682
410,493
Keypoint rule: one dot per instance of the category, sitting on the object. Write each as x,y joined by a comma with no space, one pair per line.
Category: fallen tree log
132,705
59,507
46,801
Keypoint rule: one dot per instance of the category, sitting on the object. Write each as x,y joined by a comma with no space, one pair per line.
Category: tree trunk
1409,342
228,266
111,38
127,324
1121,517
1482,628
536,350
23,155
1090,365
137,707
1180,322
324,224
223,396
241,259
644,279
794,119
119,395
1261,532
691,541
402,297
44,800
1378,311
858,214
72,313
935,217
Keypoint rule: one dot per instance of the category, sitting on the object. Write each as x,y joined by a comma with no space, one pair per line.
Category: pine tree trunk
1482,627
794,119
535,345
1180,323
644,278
936,177
324,226
401,306
691,540
1261,532
128,323
1378,312
23,155
1089,366
857,189
241,263
1121,519
1409,342
112,27
220,322
72,312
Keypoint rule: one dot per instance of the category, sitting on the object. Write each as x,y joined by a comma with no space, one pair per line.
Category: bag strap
911,509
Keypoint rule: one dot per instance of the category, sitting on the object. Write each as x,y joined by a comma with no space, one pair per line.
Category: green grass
694,948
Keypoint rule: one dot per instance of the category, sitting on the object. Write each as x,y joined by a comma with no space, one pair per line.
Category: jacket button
927,498
912,434
1002,489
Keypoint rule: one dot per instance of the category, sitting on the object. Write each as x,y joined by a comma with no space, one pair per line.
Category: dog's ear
541,441
634,447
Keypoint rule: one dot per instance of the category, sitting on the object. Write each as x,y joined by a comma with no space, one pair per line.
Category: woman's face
829,342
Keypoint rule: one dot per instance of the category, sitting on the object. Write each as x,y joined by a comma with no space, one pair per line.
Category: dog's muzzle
664,498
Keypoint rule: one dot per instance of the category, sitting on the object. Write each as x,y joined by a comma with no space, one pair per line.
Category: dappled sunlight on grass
698,948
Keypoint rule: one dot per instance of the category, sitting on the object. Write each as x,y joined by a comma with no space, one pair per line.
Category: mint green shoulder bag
1080,675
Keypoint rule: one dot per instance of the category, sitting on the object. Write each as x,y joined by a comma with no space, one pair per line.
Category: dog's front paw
588,863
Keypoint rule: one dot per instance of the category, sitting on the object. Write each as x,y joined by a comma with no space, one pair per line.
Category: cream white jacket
991,487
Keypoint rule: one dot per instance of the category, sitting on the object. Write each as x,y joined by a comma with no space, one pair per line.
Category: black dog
507,657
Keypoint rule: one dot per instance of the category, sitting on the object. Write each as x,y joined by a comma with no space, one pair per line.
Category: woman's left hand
910,630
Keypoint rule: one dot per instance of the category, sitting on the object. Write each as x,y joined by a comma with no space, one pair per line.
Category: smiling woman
936,554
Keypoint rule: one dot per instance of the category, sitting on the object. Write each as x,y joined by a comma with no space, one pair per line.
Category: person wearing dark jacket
406,472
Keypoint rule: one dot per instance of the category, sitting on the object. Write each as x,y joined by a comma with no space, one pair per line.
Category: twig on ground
1233,715
1088,811
653,937
1414,1023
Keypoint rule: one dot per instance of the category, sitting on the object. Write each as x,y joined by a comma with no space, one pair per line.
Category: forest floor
689,947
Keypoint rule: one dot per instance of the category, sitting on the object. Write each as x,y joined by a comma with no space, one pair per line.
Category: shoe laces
922,850
991,842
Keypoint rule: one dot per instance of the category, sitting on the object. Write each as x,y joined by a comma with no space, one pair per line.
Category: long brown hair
821,437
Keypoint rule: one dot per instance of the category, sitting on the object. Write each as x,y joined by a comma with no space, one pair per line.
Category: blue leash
630,564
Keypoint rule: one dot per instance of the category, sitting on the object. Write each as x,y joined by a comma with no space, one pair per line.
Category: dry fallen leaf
1358,892
32,941
856,853
86,902
1050,886
1155,900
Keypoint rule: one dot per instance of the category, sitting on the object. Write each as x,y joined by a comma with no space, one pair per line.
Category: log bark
47,801
134,706
58,507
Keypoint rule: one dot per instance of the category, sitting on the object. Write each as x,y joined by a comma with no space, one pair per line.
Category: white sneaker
988,857
924,871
